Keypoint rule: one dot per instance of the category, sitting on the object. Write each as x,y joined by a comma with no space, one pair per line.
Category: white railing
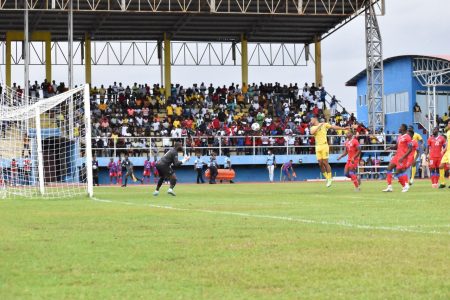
422,119
235,145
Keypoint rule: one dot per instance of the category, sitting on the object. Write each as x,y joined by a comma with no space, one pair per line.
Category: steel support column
318,61
375,77
8,60
87,59
48,56
44,36
244,60
167,66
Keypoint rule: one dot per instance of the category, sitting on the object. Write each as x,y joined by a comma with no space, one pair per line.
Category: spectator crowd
209,117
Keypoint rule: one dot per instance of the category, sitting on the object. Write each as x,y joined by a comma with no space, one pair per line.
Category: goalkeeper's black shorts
164,171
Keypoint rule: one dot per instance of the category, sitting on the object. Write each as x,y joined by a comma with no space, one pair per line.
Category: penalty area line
281,218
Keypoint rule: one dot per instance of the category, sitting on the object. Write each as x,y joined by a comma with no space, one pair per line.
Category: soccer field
243,241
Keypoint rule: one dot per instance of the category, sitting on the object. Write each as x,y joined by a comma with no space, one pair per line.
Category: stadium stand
209,118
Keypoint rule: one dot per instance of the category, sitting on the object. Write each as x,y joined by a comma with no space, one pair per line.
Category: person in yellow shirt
418,138
178,110
169,110
320,130
445,158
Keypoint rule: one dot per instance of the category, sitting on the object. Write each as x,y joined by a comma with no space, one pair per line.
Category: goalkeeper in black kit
165,168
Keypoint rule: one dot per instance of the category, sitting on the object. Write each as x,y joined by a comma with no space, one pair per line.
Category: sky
409,27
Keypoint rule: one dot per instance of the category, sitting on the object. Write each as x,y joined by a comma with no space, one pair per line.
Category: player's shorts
435,162
164,171
112,174
350,165
446,158
410,162
146,172
322,152
400,166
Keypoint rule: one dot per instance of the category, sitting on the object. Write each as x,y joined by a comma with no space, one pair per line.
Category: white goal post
45,145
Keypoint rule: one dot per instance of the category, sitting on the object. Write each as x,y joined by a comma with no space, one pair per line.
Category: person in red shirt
353,150
399,162
436,143
112,171
14,170
119,171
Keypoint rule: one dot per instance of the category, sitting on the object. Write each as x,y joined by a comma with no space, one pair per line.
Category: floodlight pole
70,45
375,76
70,65
26,53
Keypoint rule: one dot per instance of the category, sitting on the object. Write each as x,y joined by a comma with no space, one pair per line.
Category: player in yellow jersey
320,130
445,158
418,138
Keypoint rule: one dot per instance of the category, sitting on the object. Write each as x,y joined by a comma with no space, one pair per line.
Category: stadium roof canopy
431,63
286,21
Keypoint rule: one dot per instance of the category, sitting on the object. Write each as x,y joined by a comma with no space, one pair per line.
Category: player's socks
442,176
354,179
330,176
389,177
173,182
325,175
413,173
160,182
405,180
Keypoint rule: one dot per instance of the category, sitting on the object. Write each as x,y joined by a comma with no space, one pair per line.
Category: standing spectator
333,105
198,166
424,166
227,165
213,168
271,164
27,170
14,173
95,170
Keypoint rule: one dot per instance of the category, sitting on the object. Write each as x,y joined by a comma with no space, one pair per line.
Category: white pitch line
291,219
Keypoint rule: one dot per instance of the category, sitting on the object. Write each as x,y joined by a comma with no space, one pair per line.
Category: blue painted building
402,90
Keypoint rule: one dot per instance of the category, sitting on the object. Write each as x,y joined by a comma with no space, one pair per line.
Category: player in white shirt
271,164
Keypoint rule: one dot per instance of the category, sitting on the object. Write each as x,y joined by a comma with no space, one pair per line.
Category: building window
396,102
362,100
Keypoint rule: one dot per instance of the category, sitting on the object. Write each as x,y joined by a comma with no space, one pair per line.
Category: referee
165,171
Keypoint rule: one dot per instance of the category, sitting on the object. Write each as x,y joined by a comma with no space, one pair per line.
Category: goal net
45,145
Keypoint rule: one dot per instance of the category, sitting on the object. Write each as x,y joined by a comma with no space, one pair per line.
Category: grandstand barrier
232,145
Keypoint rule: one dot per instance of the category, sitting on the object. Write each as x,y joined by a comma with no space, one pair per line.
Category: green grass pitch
243,241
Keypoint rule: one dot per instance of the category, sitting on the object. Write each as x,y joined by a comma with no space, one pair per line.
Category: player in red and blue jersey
286,173
119,171
112,171
154,170
353,150
400,160
436,145
147,169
